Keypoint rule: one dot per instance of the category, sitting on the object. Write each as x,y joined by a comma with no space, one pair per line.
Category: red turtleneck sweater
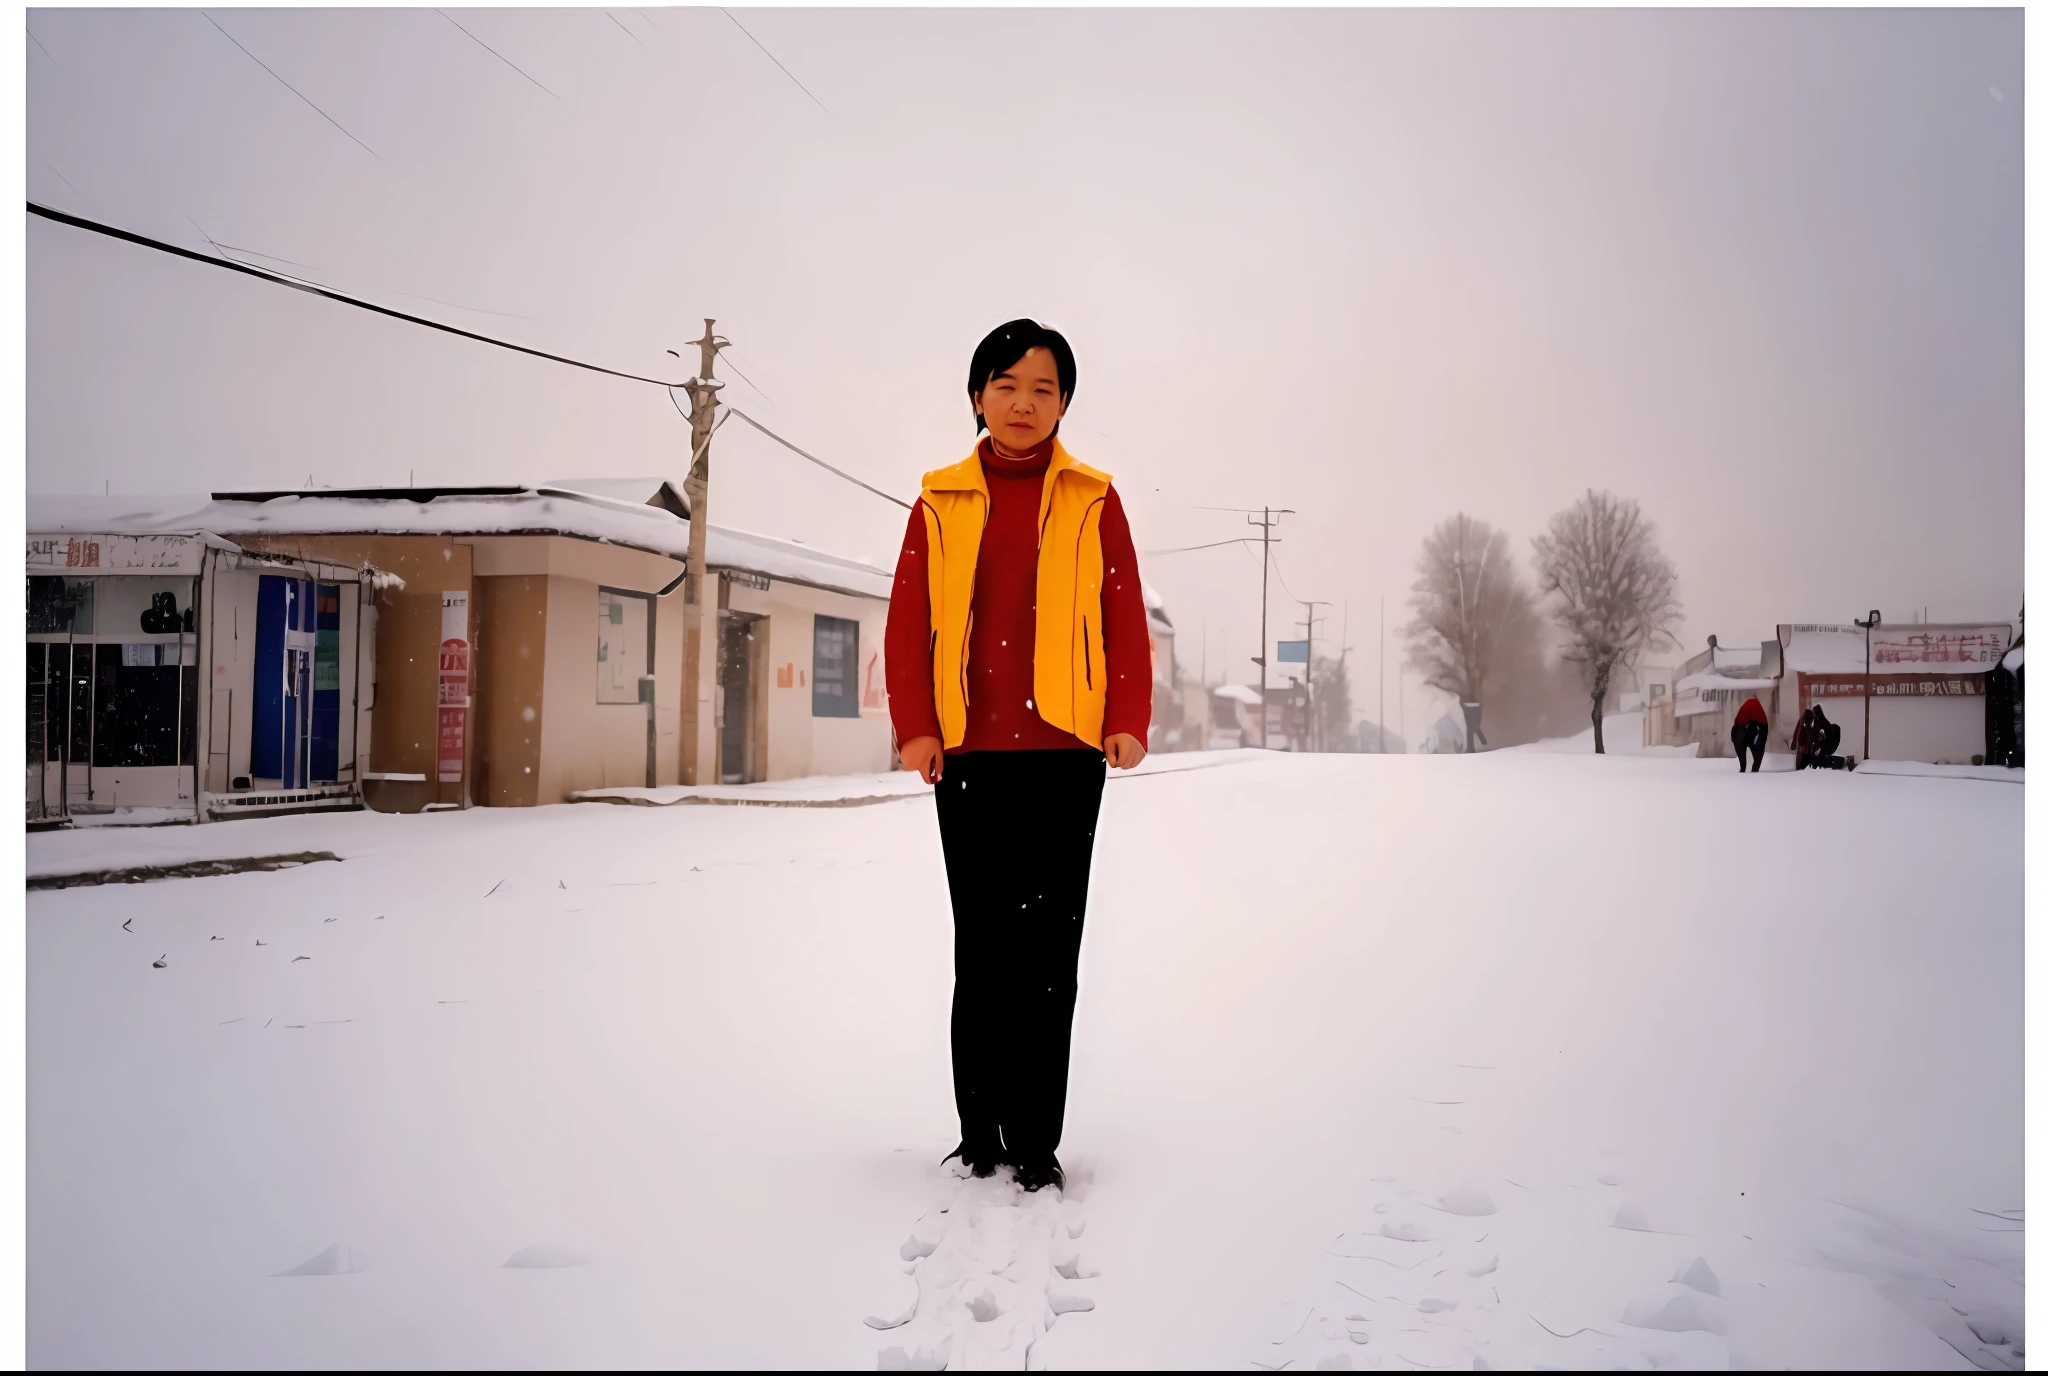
1000,714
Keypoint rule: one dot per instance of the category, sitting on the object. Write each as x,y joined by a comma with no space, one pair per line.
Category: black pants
1018,827
1749,741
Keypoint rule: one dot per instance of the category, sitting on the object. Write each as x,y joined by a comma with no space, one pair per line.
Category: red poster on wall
452,721
454,697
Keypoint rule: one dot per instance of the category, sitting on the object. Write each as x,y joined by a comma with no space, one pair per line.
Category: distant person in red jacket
1752,728
1019,663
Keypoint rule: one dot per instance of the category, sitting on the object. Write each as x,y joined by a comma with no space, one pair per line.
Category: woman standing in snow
1019,661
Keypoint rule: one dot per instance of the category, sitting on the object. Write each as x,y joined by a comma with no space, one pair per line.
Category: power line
313,289
59,175
623,29
744,378
836,472
313,267
1213,544
1283,578
288,86
777,61
492,51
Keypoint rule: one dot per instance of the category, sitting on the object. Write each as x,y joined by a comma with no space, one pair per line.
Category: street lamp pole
1868,626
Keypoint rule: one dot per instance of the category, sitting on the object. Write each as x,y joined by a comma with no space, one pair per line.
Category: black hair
1005,345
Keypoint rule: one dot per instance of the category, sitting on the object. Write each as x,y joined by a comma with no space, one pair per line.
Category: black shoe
980,1161
1036,1172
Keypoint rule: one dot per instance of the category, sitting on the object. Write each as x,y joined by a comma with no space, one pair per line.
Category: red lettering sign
450,736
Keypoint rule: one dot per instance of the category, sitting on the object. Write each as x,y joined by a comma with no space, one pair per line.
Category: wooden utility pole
1265,522
1309,725
700,660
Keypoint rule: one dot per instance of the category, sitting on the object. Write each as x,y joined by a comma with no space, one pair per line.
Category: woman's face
1023,404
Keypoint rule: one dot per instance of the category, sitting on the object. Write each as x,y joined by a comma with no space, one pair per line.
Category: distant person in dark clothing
1830,741
2004,705
1751,730
1815,742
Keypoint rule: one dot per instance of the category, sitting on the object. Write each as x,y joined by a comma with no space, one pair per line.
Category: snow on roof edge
551,511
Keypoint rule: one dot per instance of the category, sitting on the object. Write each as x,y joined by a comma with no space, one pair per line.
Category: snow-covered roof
1905,648
1710,683
489,511
1237,692
645,491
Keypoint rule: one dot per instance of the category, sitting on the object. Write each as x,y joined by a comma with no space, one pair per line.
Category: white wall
230,624
1937,730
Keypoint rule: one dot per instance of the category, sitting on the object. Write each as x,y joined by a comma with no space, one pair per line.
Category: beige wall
586,744
533,626
800,744
508,663
535,598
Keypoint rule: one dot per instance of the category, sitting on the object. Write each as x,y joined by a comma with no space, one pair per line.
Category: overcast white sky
1761,271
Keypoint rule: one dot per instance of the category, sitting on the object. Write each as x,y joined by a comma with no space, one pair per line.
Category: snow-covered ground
1621,734
1381,1061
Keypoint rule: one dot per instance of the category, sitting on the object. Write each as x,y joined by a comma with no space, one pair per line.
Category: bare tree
1616,595
1332,730
1467,601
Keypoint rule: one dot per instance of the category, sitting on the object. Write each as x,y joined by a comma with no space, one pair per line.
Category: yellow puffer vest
1069,677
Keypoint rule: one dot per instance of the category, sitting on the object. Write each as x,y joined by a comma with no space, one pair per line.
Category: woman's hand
1124,751
926,755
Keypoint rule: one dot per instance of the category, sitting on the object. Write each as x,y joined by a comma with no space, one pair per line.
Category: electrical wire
776,60
60,176
623,29
727,355
1214,544
38,42
836,472
288,86
492,51
313,289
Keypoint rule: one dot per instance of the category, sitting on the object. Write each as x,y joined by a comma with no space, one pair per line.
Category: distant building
535,646
1446,737
1169,718
1924,686
1709,689
1234,716
174,675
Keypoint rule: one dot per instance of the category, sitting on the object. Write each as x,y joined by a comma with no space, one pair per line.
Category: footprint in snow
1630,1218
1467,1201
336,1259
994,1269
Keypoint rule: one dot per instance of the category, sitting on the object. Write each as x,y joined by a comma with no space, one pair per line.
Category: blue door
267,734
281,740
